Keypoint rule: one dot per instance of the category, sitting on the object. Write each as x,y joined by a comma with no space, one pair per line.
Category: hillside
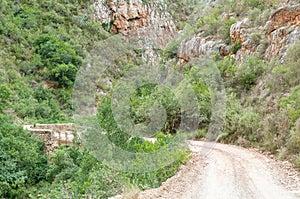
224,71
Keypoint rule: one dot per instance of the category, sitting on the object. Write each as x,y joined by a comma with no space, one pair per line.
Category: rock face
270,41
147,23
242,32
198,45
124,15
285,16
282,30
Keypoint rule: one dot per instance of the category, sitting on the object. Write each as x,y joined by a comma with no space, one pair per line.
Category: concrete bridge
53,135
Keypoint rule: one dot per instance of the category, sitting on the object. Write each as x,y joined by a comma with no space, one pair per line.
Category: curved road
219,171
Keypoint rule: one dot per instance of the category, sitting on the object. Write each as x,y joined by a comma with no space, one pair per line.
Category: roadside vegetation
44,43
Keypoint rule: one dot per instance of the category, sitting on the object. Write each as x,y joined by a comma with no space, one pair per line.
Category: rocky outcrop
248,37
199,45
122,16
270,41
282,30
285,16
148,24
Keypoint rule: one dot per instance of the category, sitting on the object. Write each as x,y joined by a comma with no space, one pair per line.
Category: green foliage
234,109
249,71
257,17
74,173
203,94
183,11
211,22
201,133
140,101
248,124
171,49
227,67
293,52
146,97
294,141
292,104
236,47
254,4
5,93
224,30
59,58
23,162
44,42
286,75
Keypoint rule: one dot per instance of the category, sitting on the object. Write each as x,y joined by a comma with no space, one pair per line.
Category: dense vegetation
266,118
44,43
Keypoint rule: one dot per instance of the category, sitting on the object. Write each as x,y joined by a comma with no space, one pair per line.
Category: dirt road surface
218,171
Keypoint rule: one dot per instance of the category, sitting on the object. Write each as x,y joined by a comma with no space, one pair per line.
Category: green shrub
210,21
5,93
236,47
292,104
201,133
233,111
23,162
257,17
227,67
293,52
249,71
171,49
248,124
224,30
294,141
286,75
60,59
261,4
74,173
274,129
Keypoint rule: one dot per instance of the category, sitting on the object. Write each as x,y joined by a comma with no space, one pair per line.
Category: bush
293,52
74,173
171,49
227,67
224,30
5,93
292,104
236,47
233,111
64,74
60,59
248,124
23,162
249,71
294,141
274,129
261,4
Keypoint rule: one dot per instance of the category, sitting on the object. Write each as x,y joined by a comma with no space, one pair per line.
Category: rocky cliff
146,22
269,40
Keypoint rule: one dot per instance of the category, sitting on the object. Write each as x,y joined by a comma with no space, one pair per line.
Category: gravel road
228,172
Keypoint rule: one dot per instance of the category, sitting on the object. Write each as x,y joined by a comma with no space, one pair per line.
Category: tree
5,93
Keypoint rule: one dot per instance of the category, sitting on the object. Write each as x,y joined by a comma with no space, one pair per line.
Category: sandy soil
229,172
